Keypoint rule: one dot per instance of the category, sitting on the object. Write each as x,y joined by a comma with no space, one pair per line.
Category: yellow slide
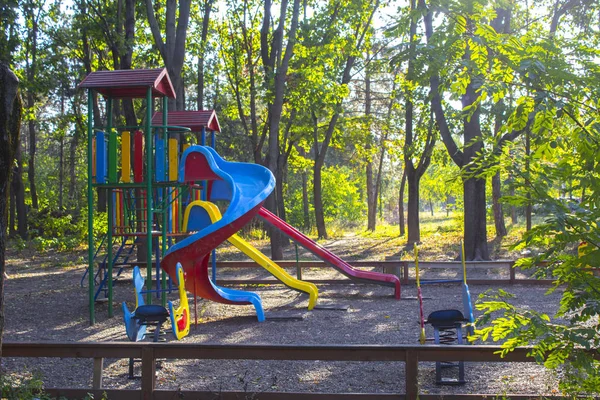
252,252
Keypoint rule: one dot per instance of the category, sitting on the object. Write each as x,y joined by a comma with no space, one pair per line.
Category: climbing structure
136,167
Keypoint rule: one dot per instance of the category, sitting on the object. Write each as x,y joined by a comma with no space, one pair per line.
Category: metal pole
109,234
166,194
90,195
149,204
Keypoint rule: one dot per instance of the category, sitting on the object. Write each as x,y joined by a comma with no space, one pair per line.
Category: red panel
133,83
138,156
197,168
194,120
194,259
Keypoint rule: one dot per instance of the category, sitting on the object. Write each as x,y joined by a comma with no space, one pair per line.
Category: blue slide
246,186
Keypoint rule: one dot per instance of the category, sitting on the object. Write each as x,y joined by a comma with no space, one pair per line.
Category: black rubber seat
445,318
151,311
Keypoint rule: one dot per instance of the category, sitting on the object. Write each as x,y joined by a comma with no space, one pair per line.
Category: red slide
329,257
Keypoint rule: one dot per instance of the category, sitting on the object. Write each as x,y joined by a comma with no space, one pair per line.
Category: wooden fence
150,352
401,269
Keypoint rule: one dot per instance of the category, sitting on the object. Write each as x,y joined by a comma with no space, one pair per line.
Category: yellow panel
119,223
180,317
173,160
125,157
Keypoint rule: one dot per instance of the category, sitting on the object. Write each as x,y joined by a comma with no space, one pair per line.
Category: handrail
411,355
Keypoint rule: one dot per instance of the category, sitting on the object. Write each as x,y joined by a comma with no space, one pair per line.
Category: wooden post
405,272
511,272
148,373
97,379
411,374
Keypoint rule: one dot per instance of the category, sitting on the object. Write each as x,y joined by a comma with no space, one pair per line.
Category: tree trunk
31,68
414,173
476,248
371,198
474,188
276,64
32,152
401,203
73,200
414,229
528,209
497,206
13,212
19,190
321,151
205,20
305,206
318,200
431,206
172,49
126,59
10,124
371,192
513,209
60,172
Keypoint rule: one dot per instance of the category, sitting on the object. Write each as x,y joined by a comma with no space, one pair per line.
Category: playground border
401,269
150,352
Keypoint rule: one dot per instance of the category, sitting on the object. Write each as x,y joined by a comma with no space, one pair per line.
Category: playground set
163,202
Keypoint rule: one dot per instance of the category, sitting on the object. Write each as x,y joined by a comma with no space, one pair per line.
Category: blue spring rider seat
447,329
447,324
144,314
155,315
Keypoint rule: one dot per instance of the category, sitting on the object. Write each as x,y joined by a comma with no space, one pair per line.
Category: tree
172,49
10,125
276,62
9,39
358,23
32,12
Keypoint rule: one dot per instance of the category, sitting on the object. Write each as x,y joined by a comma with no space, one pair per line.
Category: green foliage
570,339
29,387
341,199
56,230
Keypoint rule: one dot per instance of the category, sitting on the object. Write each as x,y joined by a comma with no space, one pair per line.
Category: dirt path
45,302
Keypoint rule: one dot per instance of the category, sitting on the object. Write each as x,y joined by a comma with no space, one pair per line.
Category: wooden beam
97,377
148,373
226,395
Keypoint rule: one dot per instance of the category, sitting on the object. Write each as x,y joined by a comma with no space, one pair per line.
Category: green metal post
149,205
90,195
112,180
166,192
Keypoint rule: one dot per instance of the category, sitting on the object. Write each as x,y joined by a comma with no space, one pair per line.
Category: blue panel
198,219
160,160
220,191
101,157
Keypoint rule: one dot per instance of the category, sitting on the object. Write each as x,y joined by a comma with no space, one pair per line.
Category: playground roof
194,120
132,83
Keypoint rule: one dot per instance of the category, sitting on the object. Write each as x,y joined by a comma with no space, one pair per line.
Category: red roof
195,120
132,83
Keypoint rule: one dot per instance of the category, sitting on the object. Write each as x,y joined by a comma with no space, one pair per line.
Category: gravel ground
48,304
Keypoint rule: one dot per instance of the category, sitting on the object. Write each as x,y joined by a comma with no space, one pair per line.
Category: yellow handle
417,264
